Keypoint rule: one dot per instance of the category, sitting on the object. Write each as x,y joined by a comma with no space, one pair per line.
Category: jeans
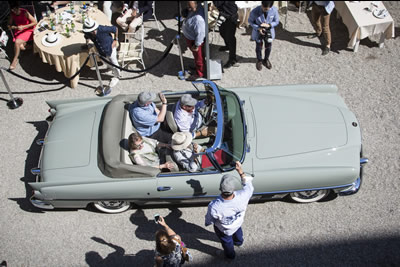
229,241
268,48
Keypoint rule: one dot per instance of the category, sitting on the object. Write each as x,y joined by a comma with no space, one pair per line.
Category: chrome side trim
40,204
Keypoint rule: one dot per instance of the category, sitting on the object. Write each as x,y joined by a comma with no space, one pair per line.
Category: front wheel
309,196
113,206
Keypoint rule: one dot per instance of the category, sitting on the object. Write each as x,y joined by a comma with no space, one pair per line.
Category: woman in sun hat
186,153
105,38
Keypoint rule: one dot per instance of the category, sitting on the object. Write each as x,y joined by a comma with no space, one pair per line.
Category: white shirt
185,119
228,215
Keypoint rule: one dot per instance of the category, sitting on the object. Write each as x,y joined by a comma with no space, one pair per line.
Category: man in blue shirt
147,118
263,19
105,38
194,30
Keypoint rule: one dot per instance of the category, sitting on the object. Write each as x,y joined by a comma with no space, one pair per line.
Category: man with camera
227,211
227,21
263,19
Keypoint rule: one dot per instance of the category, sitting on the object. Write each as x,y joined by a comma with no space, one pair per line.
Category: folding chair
31,9
154,15
132,48
5,11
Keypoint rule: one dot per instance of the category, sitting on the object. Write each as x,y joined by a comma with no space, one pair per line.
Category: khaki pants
318,14
128,22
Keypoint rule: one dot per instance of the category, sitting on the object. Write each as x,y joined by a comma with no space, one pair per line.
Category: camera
221,19
266,34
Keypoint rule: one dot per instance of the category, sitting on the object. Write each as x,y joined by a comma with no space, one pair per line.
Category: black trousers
228,31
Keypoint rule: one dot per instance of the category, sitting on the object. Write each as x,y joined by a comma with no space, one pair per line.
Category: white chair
132,48
154,15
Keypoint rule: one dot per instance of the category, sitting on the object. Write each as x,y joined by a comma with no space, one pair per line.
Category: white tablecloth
68,55
362,23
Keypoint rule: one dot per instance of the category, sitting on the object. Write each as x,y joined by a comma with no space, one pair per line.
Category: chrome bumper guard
40,204
357,184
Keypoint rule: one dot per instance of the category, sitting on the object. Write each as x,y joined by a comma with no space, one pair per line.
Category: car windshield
230,141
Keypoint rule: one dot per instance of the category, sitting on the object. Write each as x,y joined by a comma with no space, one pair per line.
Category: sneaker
259,65
223,48
267,64
239,246
113,82
231,64
326,51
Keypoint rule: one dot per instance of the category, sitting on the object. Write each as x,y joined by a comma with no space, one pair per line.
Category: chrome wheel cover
112,206
309,196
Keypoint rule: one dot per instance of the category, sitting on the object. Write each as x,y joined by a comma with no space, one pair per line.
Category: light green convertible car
297,141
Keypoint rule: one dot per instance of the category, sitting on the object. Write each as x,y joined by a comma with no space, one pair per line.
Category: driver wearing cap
188,118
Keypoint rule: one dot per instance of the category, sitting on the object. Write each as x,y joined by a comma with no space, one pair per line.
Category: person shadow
190,233
118,257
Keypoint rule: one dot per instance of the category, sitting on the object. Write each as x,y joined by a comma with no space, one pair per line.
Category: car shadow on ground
32,159
118,257
190,233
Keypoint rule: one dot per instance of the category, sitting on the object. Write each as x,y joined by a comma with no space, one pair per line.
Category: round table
68,55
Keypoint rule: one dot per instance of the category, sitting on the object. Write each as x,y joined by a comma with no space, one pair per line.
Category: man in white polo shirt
227,211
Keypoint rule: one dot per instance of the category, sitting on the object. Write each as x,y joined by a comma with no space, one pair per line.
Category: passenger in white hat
186,153
105,38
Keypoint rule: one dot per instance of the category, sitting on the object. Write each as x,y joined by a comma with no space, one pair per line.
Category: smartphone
156,218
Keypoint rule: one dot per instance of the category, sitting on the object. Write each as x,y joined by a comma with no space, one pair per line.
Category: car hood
300,125
69,139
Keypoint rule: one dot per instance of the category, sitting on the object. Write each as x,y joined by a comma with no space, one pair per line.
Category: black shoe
231,64
267,64
223,48
326,51
259,65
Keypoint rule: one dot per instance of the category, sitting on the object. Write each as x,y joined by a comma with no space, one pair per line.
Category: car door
188,187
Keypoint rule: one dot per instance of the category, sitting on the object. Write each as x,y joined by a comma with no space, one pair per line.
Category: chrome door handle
164,188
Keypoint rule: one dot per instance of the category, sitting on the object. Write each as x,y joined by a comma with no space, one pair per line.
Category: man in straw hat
185,153
227,211
188,118
147,118
105,38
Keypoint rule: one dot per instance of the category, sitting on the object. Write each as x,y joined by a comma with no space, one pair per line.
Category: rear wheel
309,196
112,206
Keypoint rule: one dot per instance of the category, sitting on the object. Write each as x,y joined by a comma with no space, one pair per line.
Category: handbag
186,256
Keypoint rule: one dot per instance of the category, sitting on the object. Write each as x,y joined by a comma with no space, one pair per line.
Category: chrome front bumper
40,204
357,184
